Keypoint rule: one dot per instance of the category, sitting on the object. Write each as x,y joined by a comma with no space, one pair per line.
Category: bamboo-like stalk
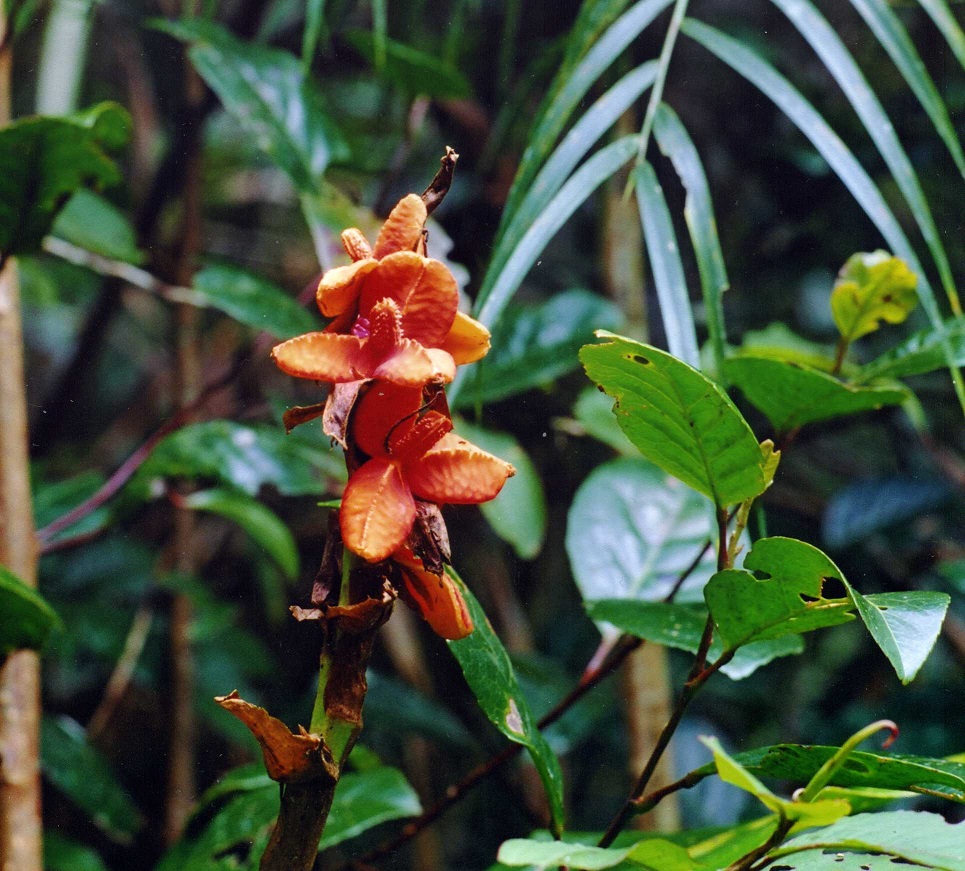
20,822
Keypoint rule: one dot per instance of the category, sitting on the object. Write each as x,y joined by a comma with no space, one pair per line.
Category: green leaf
923,352
681,626
266,529
93,223
315,30
633,529
489,673
805,814
788,600
536,344
411,70
894,38
675,143
872,288
844,164
266,92
815,860
26,620
586,132
799,763
247,457
917,837
62,854
655,854
846,72
666,267
518,513
48,159
720,850
790,395
593,411
79,770
946,22
904,625
777,342
397,707
366,799
679,419
252,301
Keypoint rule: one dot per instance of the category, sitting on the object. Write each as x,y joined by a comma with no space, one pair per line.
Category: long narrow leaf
839,62
674,142
810,122
668,271
945,21
599,118
565,96
894,39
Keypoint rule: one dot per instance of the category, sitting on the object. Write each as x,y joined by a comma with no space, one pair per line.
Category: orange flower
435,597
412,455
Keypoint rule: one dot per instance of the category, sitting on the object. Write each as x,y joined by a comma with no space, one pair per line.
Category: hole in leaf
856,766
639,358
806,598
761,575
832,588
882,607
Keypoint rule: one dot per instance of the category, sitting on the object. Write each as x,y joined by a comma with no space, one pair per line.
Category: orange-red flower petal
403,228
457,472
322,357
340,287
377,510
467,340
383,408
436,598
424,289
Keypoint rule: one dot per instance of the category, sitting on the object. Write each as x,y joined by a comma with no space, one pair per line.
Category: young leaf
252,301
666,267
266,92
904,625
46,161
536,344
788,600
93,223
872,288
681,627
489,673
79,770
518,513
26,620
917,837
679,419
920,353
675,143
411,70
266,528
632,530
791,395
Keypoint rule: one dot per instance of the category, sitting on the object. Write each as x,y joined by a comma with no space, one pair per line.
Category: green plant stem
823,775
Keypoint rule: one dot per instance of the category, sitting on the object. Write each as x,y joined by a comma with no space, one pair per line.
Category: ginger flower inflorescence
395,338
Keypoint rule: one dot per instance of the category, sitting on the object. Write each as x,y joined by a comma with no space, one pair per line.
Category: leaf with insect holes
872,288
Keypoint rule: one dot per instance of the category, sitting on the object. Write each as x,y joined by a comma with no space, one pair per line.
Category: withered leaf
338,408
299,414
429,538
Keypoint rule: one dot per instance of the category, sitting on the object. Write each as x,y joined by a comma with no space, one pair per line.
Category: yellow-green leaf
872,288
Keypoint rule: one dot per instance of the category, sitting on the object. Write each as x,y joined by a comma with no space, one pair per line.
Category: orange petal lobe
403,228
321,356
377,510
457,472
467,341
413,441
435,597
425,291
385,407
340,287
355,244
411,365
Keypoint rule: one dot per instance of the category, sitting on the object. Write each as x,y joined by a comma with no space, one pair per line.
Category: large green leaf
518,513
93,223
26,620
632,530
489,673
536,344
652,853
266,91
675,143
923,352
904,625
666,267
679,419
792,395
846,72
266,529
818,860
252,301
872,288
894,38
681,627
62,854
787,600
921,838
248,457
411,70
46,160
79,770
